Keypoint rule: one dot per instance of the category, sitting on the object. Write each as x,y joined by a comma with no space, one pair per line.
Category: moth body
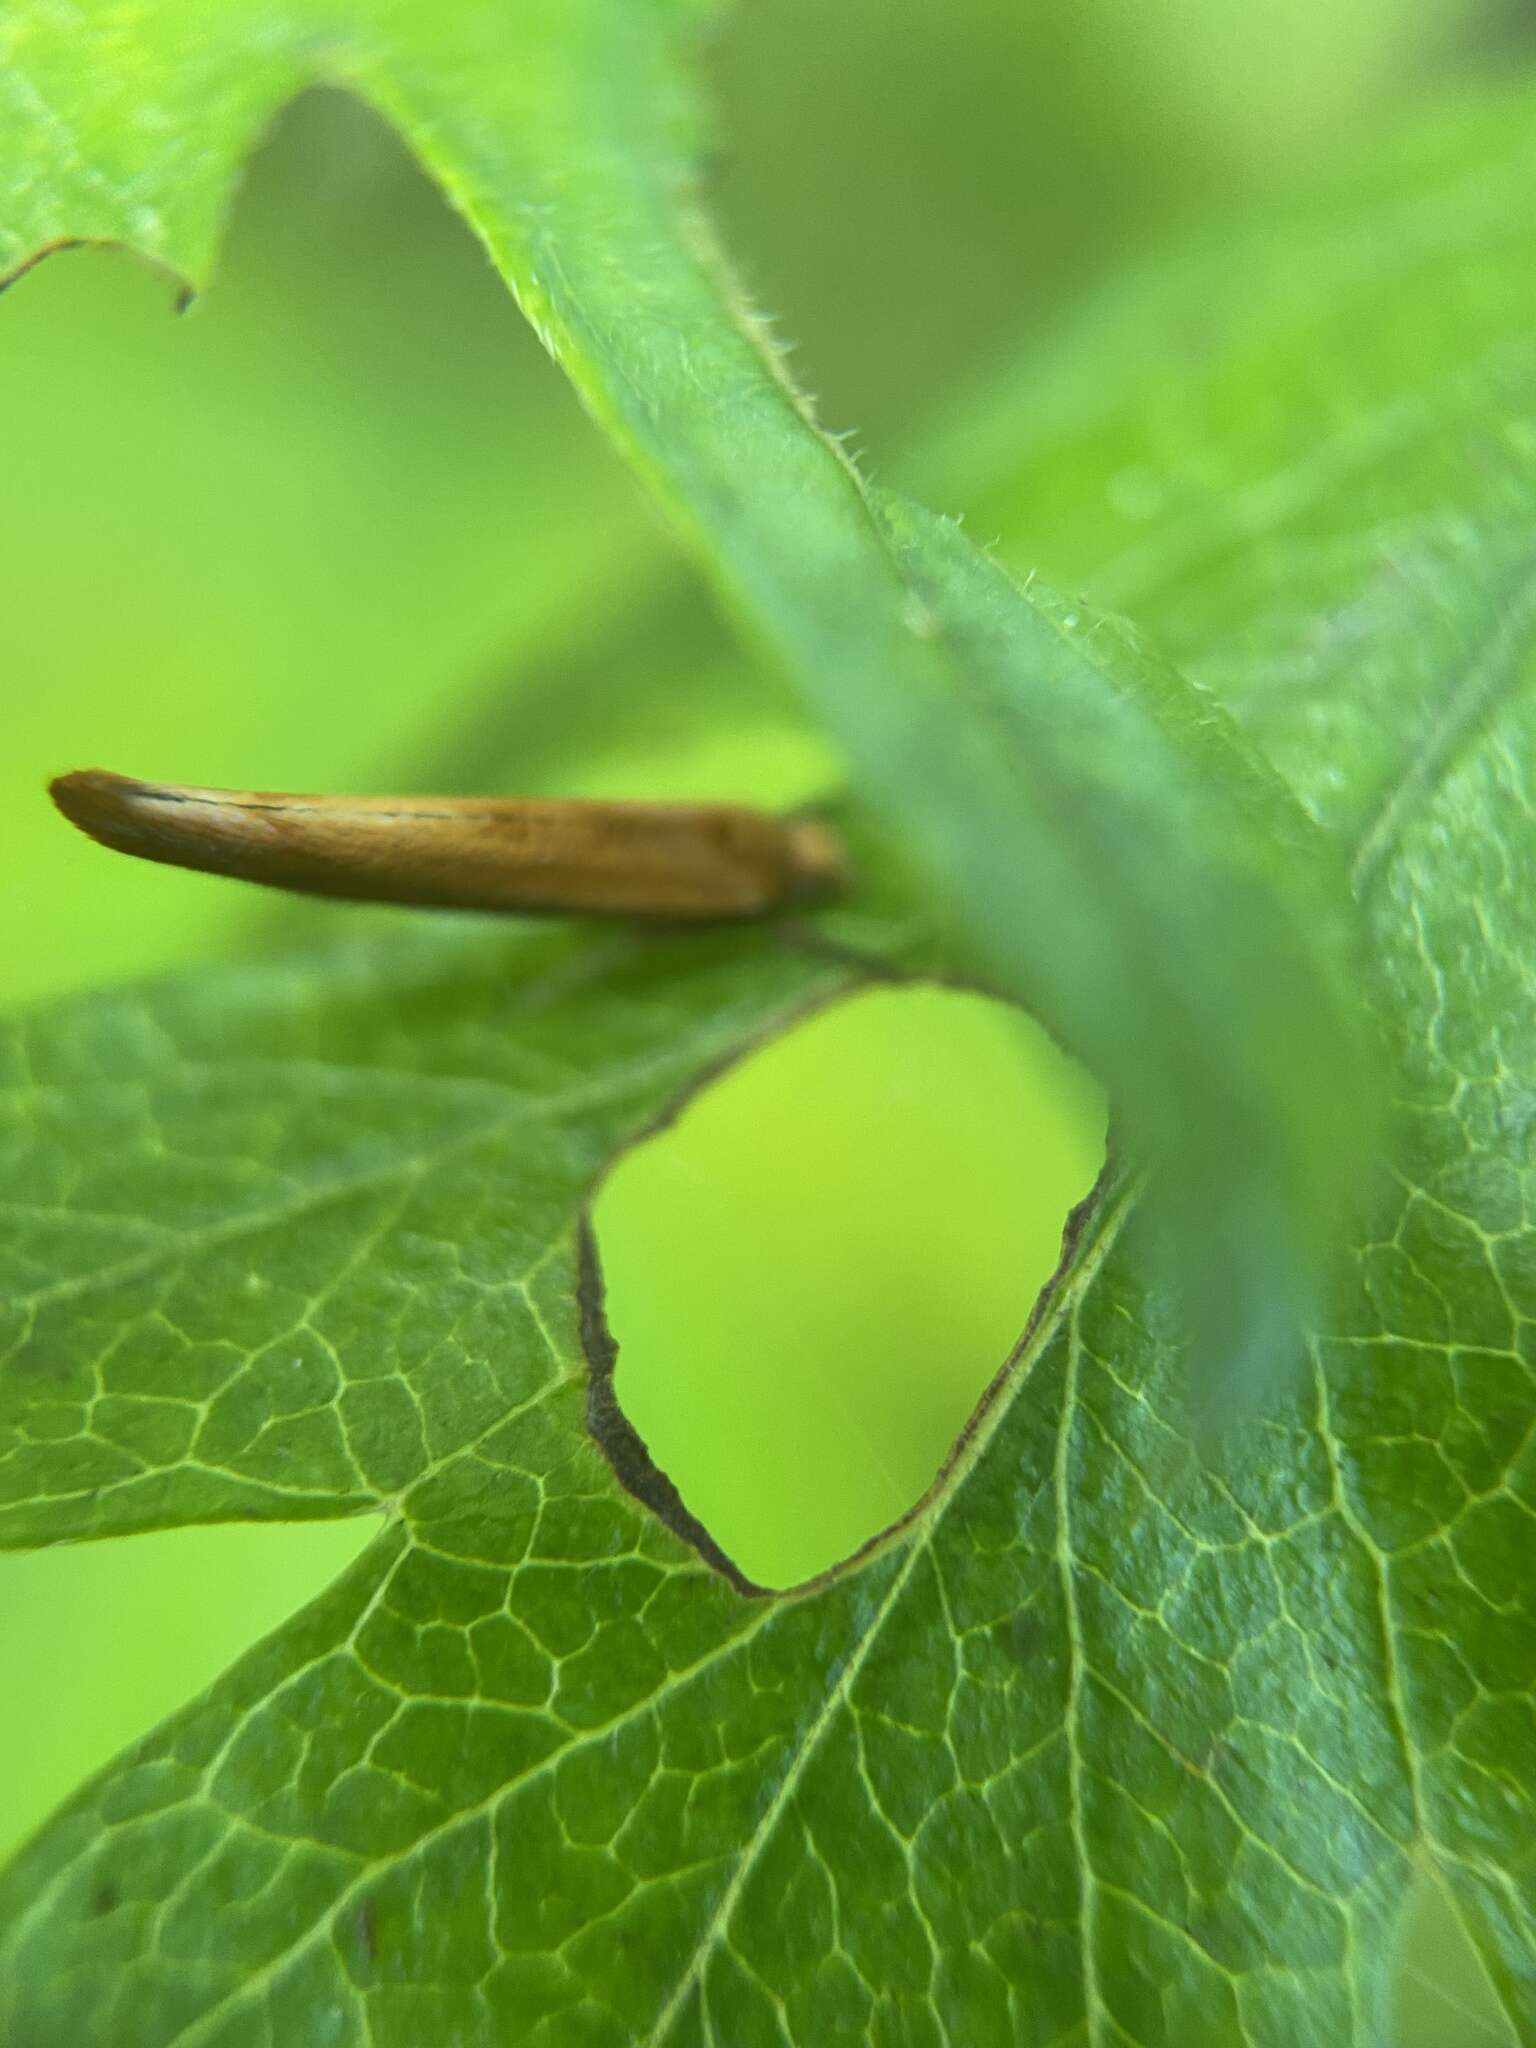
535,855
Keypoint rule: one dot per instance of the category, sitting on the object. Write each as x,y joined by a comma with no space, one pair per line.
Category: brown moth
550,856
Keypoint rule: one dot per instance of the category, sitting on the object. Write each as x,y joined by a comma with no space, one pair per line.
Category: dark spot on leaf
105,1898
43,1360
367,1918
1203,1930
1025,1636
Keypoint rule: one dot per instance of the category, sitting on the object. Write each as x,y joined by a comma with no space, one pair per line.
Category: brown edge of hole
183,291
616,1436
621,1443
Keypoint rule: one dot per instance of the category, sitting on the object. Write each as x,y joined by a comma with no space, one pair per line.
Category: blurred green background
342,526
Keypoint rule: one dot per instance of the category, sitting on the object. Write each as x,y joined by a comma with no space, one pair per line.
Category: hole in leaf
814,1272
1441,1988
103,1640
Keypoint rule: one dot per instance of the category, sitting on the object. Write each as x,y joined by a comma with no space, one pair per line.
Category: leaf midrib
1105,1230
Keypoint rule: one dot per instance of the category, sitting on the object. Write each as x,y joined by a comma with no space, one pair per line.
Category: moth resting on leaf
536,855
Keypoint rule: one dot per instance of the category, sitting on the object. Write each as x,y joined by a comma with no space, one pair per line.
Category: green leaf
565,140
1332,524
1108,1742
